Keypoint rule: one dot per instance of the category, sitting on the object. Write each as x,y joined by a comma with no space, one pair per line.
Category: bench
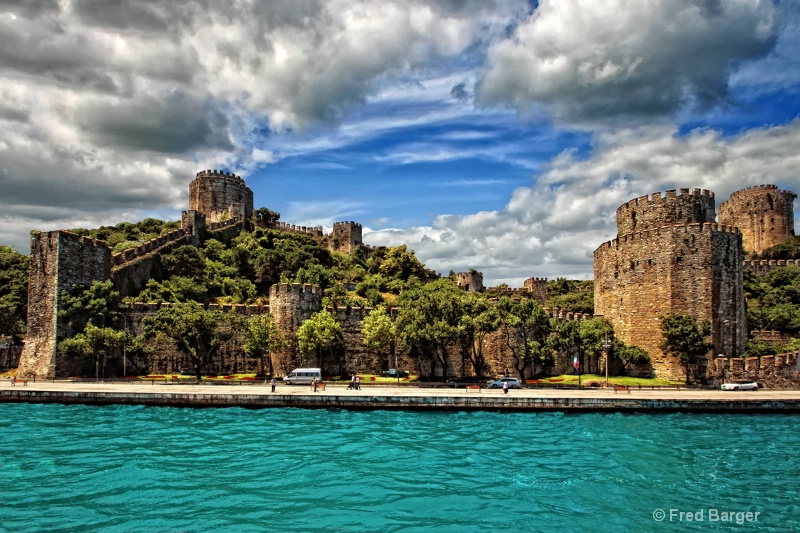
622,388
320,386
17,380
473,388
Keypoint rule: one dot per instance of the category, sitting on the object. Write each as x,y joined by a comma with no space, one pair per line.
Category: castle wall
764,266
647,213
764,214
773,371
59,260
694,269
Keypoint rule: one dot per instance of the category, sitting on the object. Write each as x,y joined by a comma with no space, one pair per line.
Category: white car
513,383
740,385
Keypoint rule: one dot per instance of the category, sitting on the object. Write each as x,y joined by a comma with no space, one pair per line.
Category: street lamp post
102,345
124,345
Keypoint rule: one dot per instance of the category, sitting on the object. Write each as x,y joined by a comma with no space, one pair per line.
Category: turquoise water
121,468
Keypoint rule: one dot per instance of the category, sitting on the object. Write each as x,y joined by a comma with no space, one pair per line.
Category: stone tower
471,281
764,214
59,260
680,261
291,304
346,236
538,289
216,194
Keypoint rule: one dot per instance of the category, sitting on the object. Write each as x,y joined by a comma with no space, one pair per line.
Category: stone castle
669,255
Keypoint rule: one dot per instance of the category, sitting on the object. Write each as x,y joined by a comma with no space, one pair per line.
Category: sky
499,135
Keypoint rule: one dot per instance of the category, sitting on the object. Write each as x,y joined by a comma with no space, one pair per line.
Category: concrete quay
337,396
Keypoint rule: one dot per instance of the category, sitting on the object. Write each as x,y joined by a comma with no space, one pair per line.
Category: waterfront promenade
259,395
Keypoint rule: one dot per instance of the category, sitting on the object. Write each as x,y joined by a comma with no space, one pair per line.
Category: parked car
740,385
513,383
393,373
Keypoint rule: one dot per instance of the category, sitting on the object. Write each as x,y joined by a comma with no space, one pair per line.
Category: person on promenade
273,382
358,382
505,387
352,382
314,384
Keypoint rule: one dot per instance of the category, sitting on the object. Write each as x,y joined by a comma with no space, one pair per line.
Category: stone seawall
579,401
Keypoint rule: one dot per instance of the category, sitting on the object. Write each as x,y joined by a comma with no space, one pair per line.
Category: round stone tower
763,214
213,193
471,281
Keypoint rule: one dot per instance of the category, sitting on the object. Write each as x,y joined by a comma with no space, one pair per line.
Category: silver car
740,385
513,383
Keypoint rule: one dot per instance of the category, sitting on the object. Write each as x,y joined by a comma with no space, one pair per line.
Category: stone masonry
685,263
764,214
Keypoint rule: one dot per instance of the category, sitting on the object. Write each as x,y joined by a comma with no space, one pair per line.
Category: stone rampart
654,211
765,266
291,304
470,281
773,371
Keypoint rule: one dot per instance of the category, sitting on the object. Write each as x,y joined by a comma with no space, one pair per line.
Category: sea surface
153,469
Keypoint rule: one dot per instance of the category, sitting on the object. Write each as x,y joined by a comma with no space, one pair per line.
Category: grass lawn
571,379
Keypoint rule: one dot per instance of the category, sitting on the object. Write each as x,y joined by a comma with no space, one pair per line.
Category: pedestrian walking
273,383
352,382
358,382
505,387
314,384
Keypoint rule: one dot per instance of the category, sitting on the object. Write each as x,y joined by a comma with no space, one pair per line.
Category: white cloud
594,62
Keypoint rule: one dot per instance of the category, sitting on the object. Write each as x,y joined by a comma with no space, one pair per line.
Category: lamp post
102,344
124,345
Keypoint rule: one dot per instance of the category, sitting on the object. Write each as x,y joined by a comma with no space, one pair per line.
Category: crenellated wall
764,214
773,371
651,212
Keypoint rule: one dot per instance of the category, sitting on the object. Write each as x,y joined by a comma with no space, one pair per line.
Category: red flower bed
556,380
227,377
533,381
248,379
153,377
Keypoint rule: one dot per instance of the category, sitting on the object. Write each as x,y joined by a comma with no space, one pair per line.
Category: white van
303,376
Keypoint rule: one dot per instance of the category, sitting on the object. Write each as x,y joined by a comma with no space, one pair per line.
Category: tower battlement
684,206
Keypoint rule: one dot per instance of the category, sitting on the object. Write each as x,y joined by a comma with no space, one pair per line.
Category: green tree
97,304
629,355
186,261
379,332
93,343
13,292
196,332
525,328
428,321
321,334
261,337
479,318
686,339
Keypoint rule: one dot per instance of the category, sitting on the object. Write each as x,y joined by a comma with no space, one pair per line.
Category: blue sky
497,135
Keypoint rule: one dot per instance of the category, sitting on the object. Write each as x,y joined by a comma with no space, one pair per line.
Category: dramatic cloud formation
496,135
